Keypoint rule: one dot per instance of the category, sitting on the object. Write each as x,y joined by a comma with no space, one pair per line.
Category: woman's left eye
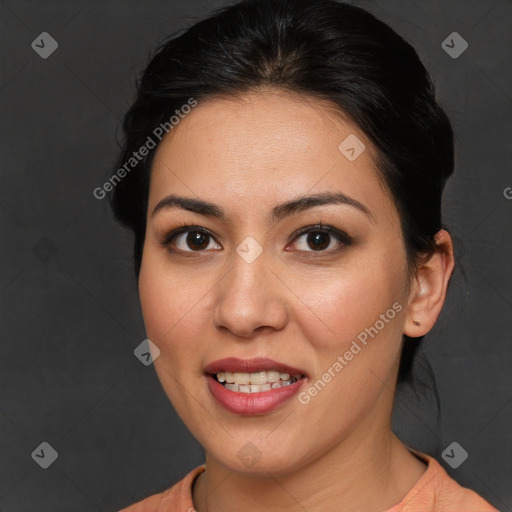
321,239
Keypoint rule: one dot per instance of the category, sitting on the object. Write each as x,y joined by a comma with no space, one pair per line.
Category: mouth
252,386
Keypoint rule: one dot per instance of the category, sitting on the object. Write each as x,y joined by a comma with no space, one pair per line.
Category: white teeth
242,378
261,377
257,378
255,382
273,376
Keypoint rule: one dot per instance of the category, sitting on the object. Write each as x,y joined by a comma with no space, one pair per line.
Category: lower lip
252,403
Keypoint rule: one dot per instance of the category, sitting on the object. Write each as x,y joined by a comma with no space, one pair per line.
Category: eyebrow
279,212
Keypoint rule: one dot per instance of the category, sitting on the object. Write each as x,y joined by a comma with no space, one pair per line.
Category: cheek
173,310
355,345
172,303
337,306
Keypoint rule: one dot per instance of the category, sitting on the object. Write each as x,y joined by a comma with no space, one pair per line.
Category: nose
250,299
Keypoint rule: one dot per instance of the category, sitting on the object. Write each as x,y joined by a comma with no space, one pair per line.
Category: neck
370,471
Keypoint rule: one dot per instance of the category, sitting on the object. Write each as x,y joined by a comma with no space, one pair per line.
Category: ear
429,286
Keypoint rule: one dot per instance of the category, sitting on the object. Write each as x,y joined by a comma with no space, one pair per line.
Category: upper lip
233,364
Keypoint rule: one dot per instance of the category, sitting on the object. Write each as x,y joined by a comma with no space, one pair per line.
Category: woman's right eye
189,239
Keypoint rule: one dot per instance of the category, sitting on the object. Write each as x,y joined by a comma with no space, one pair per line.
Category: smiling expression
263,272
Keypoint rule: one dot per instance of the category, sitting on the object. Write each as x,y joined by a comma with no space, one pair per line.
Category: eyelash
342,237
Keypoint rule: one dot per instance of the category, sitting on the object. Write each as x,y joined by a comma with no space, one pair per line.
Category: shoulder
437,491
178,497
452,496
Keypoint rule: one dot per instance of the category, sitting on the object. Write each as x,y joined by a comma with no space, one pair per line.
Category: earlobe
429,287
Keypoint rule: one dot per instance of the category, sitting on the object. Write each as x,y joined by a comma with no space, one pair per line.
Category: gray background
70,315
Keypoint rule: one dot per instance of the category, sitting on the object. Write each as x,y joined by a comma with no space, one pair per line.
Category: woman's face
250,284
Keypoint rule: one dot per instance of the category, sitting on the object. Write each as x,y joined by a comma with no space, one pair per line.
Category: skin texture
294,304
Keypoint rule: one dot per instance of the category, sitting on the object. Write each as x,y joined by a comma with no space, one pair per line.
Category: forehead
263,148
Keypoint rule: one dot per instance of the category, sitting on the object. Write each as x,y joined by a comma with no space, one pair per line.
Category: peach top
435,491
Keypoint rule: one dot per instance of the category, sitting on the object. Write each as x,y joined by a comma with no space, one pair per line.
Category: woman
282,173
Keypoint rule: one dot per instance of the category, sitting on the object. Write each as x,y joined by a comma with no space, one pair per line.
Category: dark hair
324,49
